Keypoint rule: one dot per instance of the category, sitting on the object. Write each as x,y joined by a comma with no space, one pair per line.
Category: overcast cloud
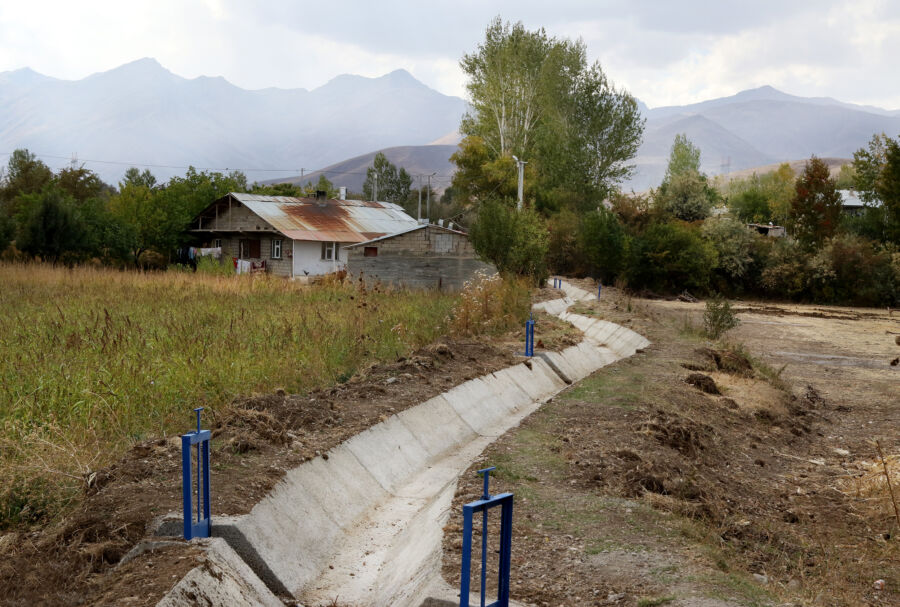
664,52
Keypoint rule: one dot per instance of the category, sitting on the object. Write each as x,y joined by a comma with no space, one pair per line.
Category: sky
665,52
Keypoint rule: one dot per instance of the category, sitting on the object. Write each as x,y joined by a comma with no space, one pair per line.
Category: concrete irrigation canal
363,523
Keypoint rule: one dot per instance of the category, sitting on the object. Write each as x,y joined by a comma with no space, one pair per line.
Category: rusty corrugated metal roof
328,220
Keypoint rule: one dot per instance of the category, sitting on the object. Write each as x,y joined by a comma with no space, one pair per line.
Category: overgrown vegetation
718,318
491,305
685,235
94,359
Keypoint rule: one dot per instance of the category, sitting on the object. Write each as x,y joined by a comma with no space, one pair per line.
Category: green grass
93,359
621,389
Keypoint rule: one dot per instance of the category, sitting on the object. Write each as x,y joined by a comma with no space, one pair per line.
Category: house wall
231,248
424,259
308,259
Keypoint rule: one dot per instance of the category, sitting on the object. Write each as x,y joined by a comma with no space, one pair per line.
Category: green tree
81,184
670,257
279,189
888,191
751,206
733,242
393,184
536,97
144,220
25,174
816,208
514,241
685,192
51,227
687,196
684,158
602,244
868,163
7,231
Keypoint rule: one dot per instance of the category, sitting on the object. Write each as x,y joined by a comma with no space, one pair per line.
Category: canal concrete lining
363,524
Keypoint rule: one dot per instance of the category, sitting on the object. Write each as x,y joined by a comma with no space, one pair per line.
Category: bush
732,242
785,268
718,318
670,257
601,241
514,241
490,305
850,269
562,246
687,196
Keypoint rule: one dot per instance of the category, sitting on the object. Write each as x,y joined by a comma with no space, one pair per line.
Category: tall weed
93,359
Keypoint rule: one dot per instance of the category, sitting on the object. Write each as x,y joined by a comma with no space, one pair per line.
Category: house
767,229
295,237
423,256
852,204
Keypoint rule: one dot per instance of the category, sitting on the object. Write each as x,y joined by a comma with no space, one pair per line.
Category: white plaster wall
308,259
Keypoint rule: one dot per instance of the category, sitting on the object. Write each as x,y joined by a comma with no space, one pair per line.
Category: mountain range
142,114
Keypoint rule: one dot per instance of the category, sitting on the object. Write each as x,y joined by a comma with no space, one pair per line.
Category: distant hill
417,160
142,113
757,127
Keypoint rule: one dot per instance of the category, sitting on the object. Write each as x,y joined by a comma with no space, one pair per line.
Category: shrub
670,257
514,241
687,196
562,245
783,275
718,318
731,240
490,304
601,241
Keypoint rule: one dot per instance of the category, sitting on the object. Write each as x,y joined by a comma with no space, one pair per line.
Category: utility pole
521,164
428,197
419,217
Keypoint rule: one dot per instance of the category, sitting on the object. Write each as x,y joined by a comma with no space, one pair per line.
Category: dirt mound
702,382
684,435
728,361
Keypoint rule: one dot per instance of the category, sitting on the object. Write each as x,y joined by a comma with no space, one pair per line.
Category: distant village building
294,237
852,204
425,256
767,229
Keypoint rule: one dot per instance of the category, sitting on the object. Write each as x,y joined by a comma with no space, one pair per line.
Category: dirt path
637,488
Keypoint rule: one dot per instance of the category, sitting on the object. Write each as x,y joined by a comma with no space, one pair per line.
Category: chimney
343,193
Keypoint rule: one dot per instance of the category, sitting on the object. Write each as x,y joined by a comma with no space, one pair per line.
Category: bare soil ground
255,441
756,485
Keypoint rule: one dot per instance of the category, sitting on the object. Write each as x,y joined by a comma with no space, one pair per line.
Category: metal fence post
487,501
200,438
599,287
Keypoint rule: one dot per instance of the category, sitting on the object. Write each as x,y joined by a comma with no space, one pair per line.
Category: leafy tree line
72,216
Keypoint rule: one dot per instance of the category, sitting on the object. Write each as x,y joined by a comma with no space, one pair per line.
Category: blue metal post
529,337
201,439
487,501
599,287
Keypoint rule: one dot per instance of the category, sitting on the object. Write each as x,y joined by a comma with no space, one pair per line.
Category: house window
217,243
276,248
370,252
249,249
330,251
